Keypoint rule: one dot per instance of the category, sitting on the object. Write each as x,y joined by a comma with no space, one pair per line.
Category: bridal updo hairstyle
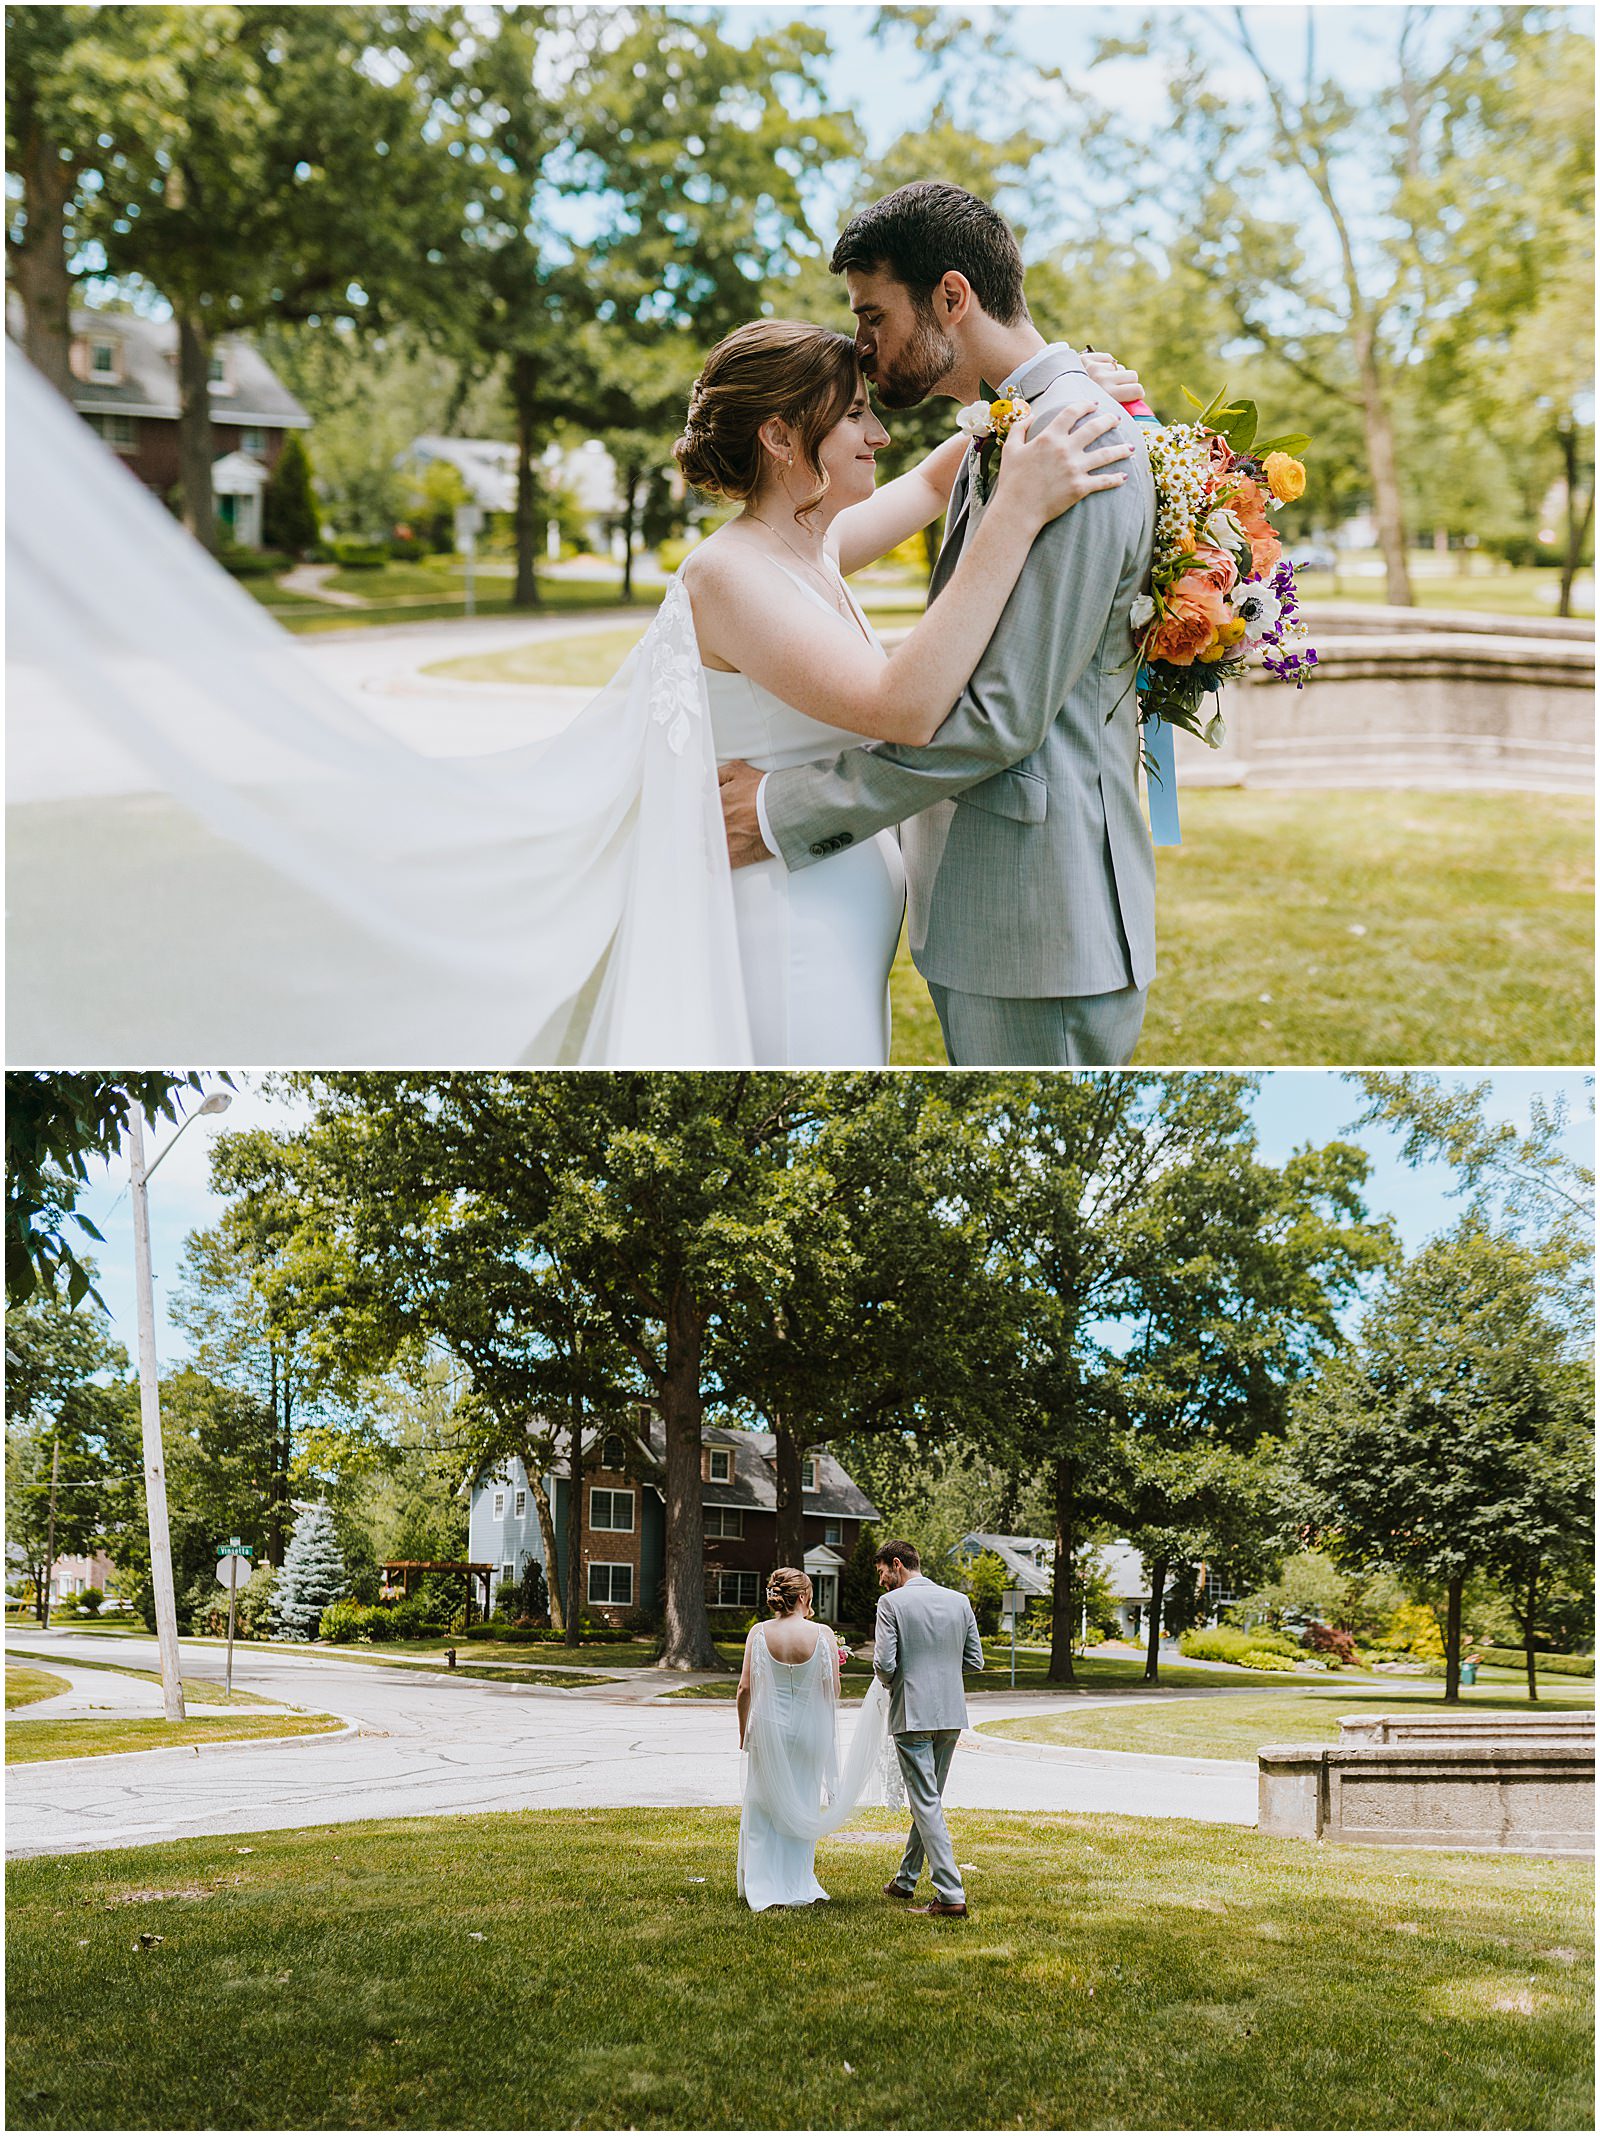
787,1591
807,375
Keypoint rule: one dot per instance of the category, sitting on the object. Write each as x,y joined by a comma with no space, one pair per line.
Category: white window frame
499,1505
610,1600
724,1454
111,370
609,1526
252,437
507,1572
520,1505
722,1515
808,1473
833,1532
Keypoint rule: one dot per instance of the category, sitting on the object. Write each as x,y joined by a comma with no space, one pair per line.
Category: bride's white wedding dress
214,855
815,946
796,1786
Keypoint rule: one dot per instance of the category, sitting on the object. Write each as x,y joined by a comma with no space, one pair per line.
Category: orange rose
1249,507
1195,614
1266,552
1286,478
1216,566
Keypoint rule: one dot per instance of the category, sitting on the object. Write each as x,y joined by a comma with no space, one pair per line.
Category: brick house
624,1519
125,386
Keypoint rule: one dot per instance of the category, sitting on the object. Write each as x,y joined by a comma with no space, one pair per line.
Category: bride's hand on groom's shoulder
1113,377
1048,474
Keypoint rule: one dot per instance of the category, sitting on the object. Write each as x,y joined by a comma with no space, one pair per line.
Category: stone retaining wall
1467,1727
1516,1798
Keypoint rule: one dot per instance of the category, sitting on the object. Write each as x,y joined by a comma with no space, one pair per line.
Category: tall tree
1424,1447
296,177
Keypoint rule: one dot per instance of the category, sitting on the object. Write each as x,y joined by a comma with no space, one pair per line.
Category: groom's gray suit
1030,870
925,1636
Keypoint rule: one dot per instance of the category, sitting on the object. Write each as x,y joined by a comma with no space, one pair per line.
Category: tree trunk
1386,506
39,262
50,1543
194,427
630,513
788,1458
1527,1634
1577,529
552,1557
574,1623
1060,1669
275,1495
687,1642
525,588
1152,1652
1452,1641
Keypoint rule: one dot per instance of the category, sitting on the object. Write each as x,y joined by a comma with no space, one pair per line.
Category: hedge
1546,1664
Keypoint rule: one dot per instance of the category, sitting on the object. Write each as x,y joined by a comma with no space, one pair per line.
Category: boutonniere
987,422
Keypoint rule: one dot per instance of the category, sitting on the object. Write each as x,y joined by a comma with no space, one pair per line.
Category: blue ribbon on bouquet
1161,785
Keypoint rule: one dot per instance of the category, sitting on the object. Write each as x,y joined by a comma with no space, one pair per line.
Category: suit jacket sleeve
973,1657
886,1642
1044,641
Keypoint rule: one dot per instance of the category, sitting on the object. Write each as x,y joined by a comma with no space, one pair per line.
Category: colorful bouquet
1219,587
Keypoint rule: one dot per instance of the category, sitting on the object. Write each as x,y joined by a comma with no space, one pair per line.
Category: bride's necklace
836,592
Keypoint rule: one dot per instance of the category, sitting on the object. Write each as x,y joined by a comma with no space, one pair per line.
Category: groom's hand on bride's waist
737,784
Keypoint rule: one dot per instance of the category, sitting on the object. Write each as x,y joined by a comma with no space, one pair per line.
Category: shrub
480,1631
534,1599
89,1601
1547,1664
505,1599
1415,1628
360,555
253,563
1225,1642
1264,1658
1327,1639
66,1607
518,1634
342,1622
642,1623
289,508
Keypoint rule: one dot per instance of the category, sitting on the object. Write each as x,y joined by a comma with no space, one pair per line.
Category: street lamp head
218,1102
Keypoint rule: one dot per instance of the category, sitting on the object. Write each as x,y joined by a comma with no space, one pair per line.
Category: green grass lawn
547,663
573,1969
427,593
1237,1727
25,1687
29,1741
1517,592
1476,941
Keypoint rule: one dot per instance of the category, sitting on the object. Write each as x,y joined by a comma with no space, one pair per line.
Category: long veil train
211,855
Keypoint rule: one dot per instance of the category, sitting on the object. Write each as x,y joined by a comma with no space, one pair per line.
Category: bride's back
791,1639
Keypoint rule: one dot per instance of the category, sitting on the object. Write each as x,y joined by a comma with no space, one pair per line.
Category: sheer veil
782,1767
213,855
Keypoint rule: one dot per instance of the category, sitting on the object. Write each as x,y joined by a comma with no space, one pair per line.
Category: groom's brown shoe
894,1890
957,1909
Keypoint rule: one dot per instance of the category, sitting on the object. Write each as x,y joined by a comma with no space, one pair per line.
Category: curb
195,1750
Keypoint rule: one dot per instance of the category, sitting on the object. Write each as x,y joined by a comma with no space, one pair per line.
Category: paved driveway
429,1745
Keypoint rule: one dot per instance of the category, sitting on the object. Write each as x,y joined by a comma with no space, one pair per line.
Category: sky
1291,1108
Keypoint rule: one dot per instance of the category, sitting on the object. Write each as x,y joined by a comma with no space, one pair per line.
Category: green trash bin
1469,1672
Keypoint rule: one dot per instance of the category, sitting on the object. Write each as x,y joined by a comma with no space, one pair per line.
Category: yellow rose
1286,478
1227,637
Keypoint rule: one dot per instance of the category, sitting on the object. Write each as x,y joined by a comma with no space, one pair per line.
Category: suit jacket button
820,848
846,838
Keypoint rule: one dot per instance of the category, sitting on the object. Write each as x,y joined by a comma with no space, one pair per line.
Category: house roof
1029,1559
488,466
754,1483
148,381
1124,1571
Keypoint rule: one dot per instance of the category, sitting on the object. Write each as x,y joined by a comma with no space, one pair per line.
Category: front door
824,1589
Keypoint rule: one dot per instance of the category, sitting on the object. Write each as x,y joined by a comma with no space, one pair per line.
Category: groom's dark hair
907,1554
929,229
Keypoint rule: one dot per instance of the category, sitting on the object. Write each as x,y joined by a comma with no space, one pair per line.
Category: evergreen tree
534,1598
858,1588
311,1577
289,519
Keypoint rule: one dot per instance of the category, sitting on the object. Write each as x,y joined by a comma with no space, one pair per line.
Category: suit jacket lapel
955,526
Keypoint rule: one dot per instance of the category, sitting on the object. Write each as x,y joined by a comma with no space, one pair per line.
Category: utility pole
50,1543
155,1477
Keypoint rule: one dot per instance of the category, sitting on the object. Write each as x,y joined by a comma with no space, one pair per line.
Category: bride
214,854
795,1788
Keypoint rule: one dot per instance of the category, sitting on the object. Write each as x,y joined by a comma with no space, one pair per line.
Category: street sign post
469,519
1012,1604
235,1555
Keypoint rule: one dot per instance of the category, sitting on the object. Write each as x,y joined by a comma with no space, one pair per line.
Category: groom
1030,871
925,1636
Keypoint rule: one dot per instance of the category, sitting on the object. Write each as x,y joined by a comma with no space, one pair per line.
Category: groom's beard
929,357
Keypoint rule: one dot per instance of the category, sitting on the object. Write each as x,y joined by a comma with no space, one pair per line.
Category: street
430,1745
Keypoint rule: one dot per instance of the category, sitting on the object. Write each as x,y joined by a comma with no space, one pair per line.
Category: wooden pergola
411,1570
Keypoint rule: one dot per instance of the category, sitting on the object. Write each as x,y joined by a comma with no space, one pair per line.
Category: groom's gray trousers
924,1763
1056,1031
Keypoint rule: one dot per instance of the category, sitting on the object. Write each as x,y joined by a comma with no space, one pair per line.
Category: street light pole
155,1477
